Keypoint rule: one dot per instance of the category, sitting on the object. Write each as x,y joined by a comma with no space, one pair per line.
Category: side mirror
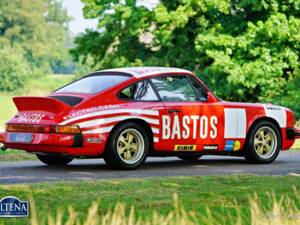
210,97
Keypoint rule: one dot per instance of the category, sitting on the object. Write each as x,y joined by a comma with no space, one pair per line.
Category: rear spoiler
40,104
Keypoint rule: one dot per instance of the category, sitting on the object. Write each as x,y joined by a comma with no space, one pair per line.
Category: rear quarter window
93,84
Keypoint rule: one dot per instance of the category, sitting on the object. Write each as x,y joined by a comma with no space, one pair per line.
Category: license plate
21,137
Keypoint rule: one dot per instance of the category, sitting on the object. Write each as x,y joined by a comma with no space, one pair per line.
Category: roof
140,72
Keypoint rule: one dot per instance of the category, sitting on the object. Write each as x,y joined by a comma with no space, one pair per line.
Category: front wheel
127,147
54,160
263,144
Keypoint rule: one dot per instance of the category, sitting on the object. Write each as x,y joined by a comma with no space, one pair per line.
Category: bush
14,69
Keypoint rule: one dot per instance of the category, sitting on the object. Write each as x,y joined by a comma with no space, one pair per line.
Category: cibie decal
186,148
210,147
189,127
31,117
12,207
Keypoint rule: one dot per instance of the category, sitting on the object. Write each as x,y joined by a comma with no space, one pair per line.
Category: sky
79,24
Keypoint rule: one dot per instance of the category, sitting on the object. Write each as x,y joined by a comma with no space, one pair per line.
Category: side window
199,90
174,88
140,91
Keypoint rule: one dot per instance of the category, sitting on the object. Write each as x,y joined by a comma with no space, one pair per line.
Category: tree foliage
34,31
246,50
14,69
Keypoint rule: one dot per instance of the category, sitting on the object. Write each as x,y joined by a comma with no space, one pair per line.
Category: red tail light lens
2,138
28,128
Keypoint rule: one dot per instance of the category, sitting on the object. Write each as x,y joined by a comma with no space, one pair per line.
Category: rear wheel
190,157
54,160
264,143
127,147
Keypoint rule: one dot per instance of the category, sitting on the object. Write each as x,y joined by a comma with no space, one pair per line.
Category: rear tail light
28,128
2,138
68,129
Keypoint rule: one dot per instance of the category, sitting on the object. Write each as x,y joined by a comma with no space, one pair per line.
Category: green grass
222,194
296,145
15,155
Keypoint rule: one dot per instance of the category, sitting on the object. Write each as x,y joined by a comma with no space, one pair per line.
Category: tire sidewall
251,153
111,155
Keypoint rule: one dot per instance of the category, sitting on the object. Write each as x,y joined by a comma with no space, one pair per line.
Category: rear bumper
41,139
72,145
293,133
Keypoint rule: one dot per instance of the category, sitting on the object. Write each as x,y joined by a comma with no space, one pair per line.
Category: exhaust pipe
3,148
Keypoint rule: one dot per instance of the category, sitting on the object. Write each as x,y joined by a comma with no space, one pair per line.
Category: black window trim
177,75
133,100
189,78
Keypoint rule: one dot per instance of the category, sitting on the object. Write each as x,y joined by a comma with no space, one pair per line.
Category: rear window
93,84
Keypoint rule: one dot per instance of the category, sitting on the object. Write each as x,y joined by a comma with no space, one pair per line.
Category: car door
191,122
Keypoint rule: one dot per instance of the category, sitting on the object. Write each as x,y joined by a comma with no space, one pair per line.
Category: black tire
190,157
54,160
252,149
116,160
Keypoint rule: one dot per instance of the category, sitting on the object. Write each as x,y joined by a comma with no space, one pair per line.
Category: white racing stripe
104,121
101,130
109,112
155,130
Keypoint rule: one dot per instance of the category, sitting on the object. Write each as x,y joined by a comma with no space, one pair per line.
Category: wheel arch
141,122
265,118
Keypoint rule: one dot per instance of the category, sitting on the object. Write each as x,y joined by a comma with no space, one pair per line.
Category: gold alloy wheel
130,146
265,142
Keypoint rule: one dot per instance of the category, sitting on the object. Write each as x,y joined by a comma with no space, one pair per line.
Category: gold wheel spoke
122,140
257,141
262,135
128,154
130,138
121,150
260,149
268,147
268,137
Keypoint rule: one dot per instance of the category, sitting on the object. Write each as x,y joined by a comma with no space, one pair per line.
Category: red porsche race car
124,115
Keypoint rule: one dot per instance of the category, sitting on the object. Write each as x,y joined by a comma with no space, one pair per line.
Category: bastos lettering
187,127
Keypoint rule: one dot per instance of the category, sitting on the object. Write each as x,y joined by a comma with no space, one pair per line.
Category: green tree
36,29
14,69
246,50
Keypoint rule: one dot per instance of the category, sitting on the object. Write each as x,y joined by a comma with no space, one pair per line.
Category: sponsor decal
186,148
31,117
13,207
93,140
229,145
273,107
232,145
237,146
210,147
187,127
91,110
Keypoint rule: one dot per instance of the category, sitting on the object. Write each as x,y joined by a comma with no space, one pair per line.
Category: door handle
174,111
